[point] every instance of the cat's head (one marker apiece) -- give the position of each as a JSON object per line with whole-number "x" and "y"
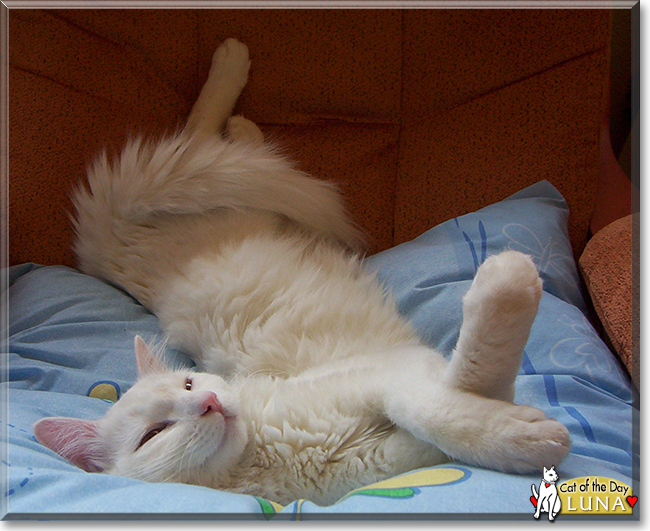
{"x": 172, "y": 425}
{"x": 550, "y": 475}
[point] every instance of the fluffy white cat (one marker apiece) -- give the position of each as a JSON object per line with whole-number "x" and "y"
{"x": 312, "y": 383}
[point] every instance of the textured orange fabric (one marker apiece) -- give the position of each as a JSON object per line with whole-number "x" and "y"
{"x": 613, "y": 280}
{"x": 483, "y": 151}
{"x": 419, "y": 115}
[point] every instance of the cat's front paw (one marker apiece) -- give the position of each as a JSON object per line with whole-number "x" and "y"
{"x": 532, "y": 441}
{"x": 231, "y": 62}
{"x": 506, "y": 283}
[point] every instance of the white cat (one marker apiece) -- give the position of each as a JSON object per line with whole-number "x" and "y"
{"x": 313, "y": 384}
{"x": 548, "y": 499}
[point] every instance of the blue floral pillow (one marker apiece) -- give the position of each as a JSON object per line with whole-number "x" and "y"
{"x": 70, "y": 353}
{"x": 446, "y": 257}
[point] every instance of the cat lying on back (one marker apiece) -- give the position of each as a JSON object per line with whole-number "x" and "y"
{"x": 312, "y": 384}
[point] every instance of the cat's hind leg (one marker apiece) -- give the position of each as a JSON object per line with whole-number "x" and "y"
{"x": 498, "y": 312}
{"x": 227, "y": 78}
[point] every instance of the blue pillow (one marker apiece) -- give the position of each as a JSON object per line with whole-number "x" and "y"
{"x": 533, "y": 221}
{"x": 71, "y": 353}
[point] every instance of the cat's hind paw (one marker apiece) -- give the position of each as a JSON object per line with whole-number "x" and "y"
{"x": 231, "y": 63}
{"x": 240, "y": 128}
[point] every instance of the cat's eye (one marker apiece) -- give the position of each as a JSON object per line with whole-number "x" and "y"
{"x": 151, "y": 434}
{"x": 188, "y": 384}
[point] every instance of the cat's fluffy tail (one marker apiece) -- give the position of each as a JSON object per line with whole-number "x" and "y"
{"x": 180, "y": 175}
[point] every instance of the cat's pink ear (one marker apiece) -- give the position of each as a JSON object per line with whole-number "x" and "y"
{"x": 147, "y": 361}
{"x": 75, "y": 439}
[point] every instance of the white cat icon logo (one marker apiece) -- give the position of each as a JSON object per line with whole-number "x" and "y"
{"x": 547, "y": 500}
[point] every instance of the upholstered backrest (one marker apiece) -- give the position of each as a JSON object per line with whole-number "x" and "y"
{"x": 420, "y": 115}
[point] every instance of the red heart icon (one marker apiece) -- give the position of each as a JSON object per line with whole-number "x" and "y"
{"x": 533, "y": 500}
{"x": 631, "y": 500}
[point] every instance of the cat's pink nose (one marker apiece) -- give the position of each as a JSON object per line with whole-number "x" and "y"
{"x": 210, "y": 404}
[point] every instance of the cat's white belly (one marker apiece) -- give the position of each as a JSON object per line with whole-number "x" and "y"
{"x": 277, "y": 305}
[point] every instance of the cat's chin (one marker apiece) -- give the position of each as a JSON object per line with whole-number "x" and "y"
{"x": 227, "y": 443}
{"x": 230, "y": 449}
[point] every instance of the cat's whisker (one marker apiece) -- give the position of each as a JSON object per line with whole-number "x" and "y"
{"x": 152, "y": 471}
{"x": 185, "y": 467}
{"x": 160, "y": 469}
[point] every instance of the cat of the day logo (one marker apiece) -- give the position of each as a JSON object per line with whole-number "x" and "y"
{"x": 548, "y": 498}
{"x": 584, "y": 495}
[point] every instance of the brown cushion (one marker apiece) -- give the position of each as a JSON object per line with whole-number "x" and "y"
{"x": 420, "y": 115}
{"x": 613, "y": 283}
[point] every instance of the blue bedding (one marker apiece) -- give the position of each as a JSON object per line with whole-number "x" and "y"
{"x": 70, "y": 354}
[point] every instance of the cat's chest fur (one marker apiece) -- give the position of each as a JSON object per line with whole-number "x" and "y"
{"x": 297, "y": 444}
